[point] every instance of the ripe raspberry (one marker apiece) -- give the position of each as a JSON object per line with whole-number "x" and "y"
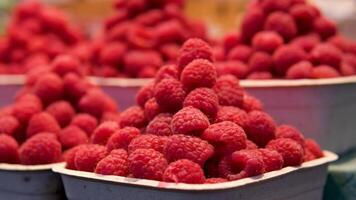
{"x": 199, "y": 73}
{"x": 251, "y": 103}
{"x": 189, "y": 121}
{"x": 347, "y": 70}
{"x": 42, "y": 122}
{"x": 29, "y": 98}
{"x": 87, "y": 157}
{"x": 147, "y": 72}
{"x": 271, "y": 5}
{"x": 325, "y": 28}
{"x": 147, "y": 141}
{"x": 241, "y": 53}
{"x": 260, "y": 128}
{"x": 170, "y": 31}
{"x": 203, "y": 99}
{"x": 8, "y": 149}
{"x": 147, "y": 164}
{"x": 304, "y": 16}
{"x": 267, "y": 41}
{"x": 135, "y": 61}
{"x": 9, "y": 125}
{"x": 219, "y": 53}
{"x": 260, "y": 76}
{"x": 233, "y": 114}
{"x": 188, "y": 147}
{"x": 282, "y": 23}
{"x": 151, "y": 109}
{"x": 111, "y": 116}
{"x": 133, "y": 116}
{"x": 64, "y": 64}
{"x": 290, "y": 150}
{"x": 313, "y": 147}
{"x": 85, "y": 122}
{"x": 215, "y": 180}
{"x": 194, "y": 49}
{"x": 141, "y": 37}
{"x": 248, "y": 162}
{"x": 24, "y": 110}
{"x": 169, "y": 94}
{"x": 286, "y": 131}
{"x": 160, "y": 125}
{"x": 285, "y": 56}
{"x": 40, "y": 149}
{"x": 252, "y": 23}
{"x": 300, "y": 70}
{"x": 112, "y": 54}
{"x": 326, "y": 54}
{"x": 72, "y": 136}
{"x": 170, "y": 52}
{"x": 324, "y": 71}
{"x": 306, "y": 42}
{"x": 167, "y": 71}
{"x": 250, "y": 145}
{"x": 228, "y": 89}
{"x": 226, "y": 137}
{"x": 233, "y": 67}
{"x": 62, "y": 111}
{"x": 272, "y": 160}
{"x": 184, "y": 171}
{"x": 49, "y": 88}
{"x": 122, "y": 138}
{"x": 150, "y": 18}
{"x": 103, "y": 132}
{"x": 114, "y": 164}
{"x": 69, "y": 155}
{"x": 231, "y": 40}
{"x": 144, "y": 94}
{"x": 74, "y": 87}
{"x": 260, "y": 61}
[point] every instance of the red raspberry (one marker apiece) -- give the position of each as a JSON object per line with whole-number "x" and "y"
{"x": 290, "y": 150}
{"x": 35, "y": 73}
{"x": 112, "y": 54}
{"x": 324, "y": 71}
{"x": 228, "y": 89}
{"x": 272, "y": 160}
{"x": 122, "y": 138}
{"x": 114, "y": 164}
{"x": 219, "y": 53}
{"x": 236, "y": 68}
{"x": 252, "y": 23}
{"x": 147, "y": 72}
{"x": 226, "y": 137}
{"x": 260, "y": 128}
{"x": 169, "y": 94}
{"x": 49, "y": 88}
{"x": 233, "y": 114}
{"x": 148, "y": 141}
{"x": 72, "y": 136}
{"x": 74, "y": 87}
{"x": 9, "y": 125}
{"x": 304, "y": 16}
{"x": 150, "y": 18}
{"x": 283, "y": 24}
{"x": 203, "y": 99}
{"x": 250, "y": 145}
{"x": 40, "y": 149}
{"x": 247, "y": 163}
{"x": 188, "y": 147}
{"x": 272, "y": 5}
{"x": 349, "y": 59}
{"x": 260, "y": 76}
{"x": 24, "y": 110}
{"x": 170, "y": 31}
{"x": 184, "y": 171}
{"x": 64, "y": 64}
{"x": 141, "y": 37}
{"x": 135, "y": 61}
{"x": 170, "y": 52}
{"x": 103, "y": 132}
{"x": 260, "y": 61}
{"x": 42, "y": 122}
{"x": 8, "y": 149}
{"x": 194, "y": 49}
{"x": 300, "y": 70}
{"x": 29, "y": 98}
{"x": 306, "y": 42}
{"x": 62, "y": 111}
{"x": 85, "y": 122}
{"x": 160, "y": 125}
{"x": 267, "y": 41}
{"x": 133, "y": 116}
{"x": 241, "y": 53}
{"x": 111, "y": 116}
{"x": 326, "y": 54}
{"x": 69, "y": 155}
{"x": 144, "y": 94}
{"x": 87, "y": 157}
{"x": 151, "y": 109}
{"x": 231, "y": 40}
{"x": 347, "y": 69}
{"x": 167, "y": 71}
{"x": 313, "y": 147}
{"x": 285, "y": 56}
{"x": 325, "y": 27}
{"x": 147, "y": 164}
{"x": 286, "y": 131}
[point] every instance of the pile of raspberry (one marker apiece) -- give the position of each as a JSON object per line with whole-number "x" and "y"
{"x": 140, "y": 36}
{"x": 189, "y": 126}
{"x": 286, "y": 39}
{"x": 57, "y": 110}
{"x": 34, "y": 36}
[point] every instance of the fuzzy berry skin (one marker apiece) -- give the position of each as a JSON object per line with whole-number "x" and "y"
{"x": 144, "y": 94}
{"x": 281, "y": 23}
{"x": 103, "y": 132}
{"x": 300, "y": 70}
{"x": 304, "y": 16}
{"x": 69, "y": 155}
{"x": 188, "y": 147}
{"x": 233, "y": 67}
{"x": 64, "y": 64}
{"x": 215, "y": 180}
{"x": 133, "y": 116}
{"x": 233, "y": 114}
{"x": 324, "y": 71}
{"x": 194, "y": 49}
{"x": 272, "y": 160}
{"x": 87, "y": 157}
{"x": 324, "y": 27}
{"x": 251, "y": 103}
{"x": 40, "y": 149}
{"x": 240, "y": 53}
{"x": 286, "y": 131}
{"x": 312, "y": 146}
{"x": 72, "y": 136}
{"x": 306, "y": 42}
{"x": 203, "y": 99}
{"x": 290, "y": 150}
{"x": 189, "y": 121}
{"x": 151, "y": 109}
{"x": 184, "y": 171}
{"x": 42, "y": 122}
{"x": 285, "y": 56}
{"x": 250, "y": 162}
{"x": 260, "y": 128}
{"x": 147, "y": 164}
{"x": 8, "y": 149}
{"x": 49, "y": 88}
{"x": 169, "y": 94}
{"x": 260, "y": 61}
{"x": 114, "y": 164}
{"x": 226, "y": 137}
{"x": 326, "y": 54}
{"x": 9, "y": 125}
{"x": 23, "y": 111}
{"x": 62, "y": 111}
{"x": 147, "y": 141}
{"x": 252, "y": 23}
{"x": 251, "y": 145}
{"x": 229, "y": 92}
{"x": 160, "y": 125}
{"x": 122, "y": 138}
{"x": 267, "y": 41}
{"x": 86, "y": 122}
{"x": 167, "y": 71}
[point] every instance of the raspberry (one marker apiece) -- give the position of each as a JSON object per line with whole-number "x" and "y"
{"x": 226, "y": 137}
{"x": 64, "y": 64}
{"x": 290, "y": 150}
{"x": 135, "y": 61}
{"x": 160, "y": 125}
{"x": 69, "y": 155}
{"x": 29, "y": 98}
{"x": 308, "y": 155}
{"x": 188, "y": 147}
{"x": 151, "y": 109}
{"x": 272, "y": 160}
{"x": 72, "y": 136}
{"x": 219, "y": 53}
{"x": 324, "y": 27}
{"x": 260, "y": 76}
{"x": 114, "y": 164}
{"x": 231, "y": 40}
{"x": 24, "y": 110}
{"x": 62, "y": 111}
{"x": 313, "y": 147}
{"x": 122, "y": 138}
{"x": 147, "y": 72}
{"x": 233, "y": 114}
{"x": 167, "y": 71}
{"x": 215, "y": 180}
{"x": 260, "y": 61}
{"x": 228, "y": 89}
{"x": 96, "y": 102}
{"x": 241, "y": 53}
{"x": 300, "y": 70}
{"x": 141, "y": 37}
{"x": 286, "y": 131}
{"x": 144, "y": 94}
{"x": 199, "y": 73}
{"x": 326, "y": 54}
{"x": 169, "y": 94}
{"x": 103, "y": 132}
{"x": 260, "y": 128}
{"x": 170, "y": 52}
{"x": 306, "y": 42}
{"x": 49, "y": 88}
{"x": 184, "y": 171}
{"x": 42, "y": 122}
{"x": 133, "y": 116}
{"x": 267, "y": 41}
{"x": 40, "y": 149}
{"x": 9, "y": 125}
{"x": 324, "y": 71}
{"x": 272, "y": 5}
{"x": 282, "y": 23}
{"x": 111, "y": 116}
{"x": 85, "y": 122}
{"x": 347, "y": 70}
{"x": 203, "y": 99}
{"x": 236, "y": 68}
{"x": 189, "y": 121}
{"x": 304, "y": 16}
{"x": 285, "y": 56}
{"x": 112, "y": 54}
{"x": 8, "y": 149}
{"x": 250, "y": 145}
{"x": 170, "y": 31}
{"x": 36, "y": 73}
{"x": 251, "y": 103}
{"x": 147, "y": 164}
{"x": 194, "y": 49}
{"x": 248, "y": 163}
{"x": 150, "y": 18}
{"x": 148, "y": 141}
{"x": 87, "y": 157}
{"x": 74, "y": 87}
{"x": 252, "y": 23}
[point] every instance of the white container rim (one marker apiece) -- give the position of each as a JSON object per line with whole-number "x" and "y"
{"x": 23, "y": 168}
{"x": 328, "y": 157}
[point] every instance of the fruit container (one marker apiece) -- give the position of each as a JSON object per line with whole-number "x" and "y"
{"x": 36, "y": 182}
{"x": 83, "y": 185}
{"x": 9, "y": 85}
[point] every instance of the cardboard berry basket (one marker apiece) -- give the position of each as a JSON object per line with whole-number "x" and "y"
{"x": 292, "y": 183}
{"x": 30, "y": 182}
